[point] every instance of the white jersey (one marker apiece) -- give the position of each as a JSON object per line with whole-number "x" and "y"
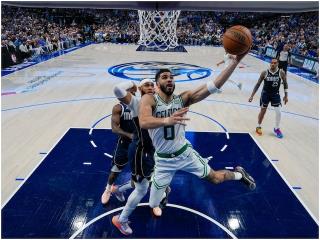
{"x": 134, "y": 106}
{"x": 168, "y": 139}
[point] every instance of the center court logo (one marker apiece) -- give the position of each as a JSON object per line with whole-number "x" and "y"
{"x": 137, "y": 71}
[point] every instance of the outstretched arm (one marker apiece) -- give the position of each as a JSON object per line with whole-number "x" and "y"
{"x": 146, "y": 120}
{"x": 203, "y": 91}
{"x": 256, "y": 87}
{"x": 285, "y": 86}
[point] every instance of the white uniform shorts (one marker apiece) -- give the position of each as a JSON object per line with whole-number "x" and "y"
{"x": 188, "y": 161}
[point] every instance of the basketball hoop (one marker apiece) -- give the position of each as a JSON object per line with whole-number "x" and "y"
{"x": 158, "y": 29}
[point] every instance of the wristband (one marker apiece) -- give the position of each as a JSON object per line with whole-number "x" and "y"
{"x": 212, "y": 87}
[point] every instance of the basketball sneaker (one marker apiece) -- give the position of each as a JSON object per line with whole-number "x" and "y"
{"x": 259, "y": 131}
{"x": 107, "y": 194}
{"x": 123, "y": 227}
{"x": 246, "y": 178}
{"x": 278, "y": 133}
{"x": 157, "y": 211}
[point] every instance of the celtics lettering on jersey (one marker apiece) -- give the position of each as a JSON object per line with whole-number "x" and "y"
{"x": 167, "y": 139}
{"x": 166, "y": 113}
{"x": 272, "y": 82}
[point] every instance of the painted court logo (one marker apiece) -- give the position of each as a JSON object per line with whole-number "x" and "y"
{"x": 137, "y": 71}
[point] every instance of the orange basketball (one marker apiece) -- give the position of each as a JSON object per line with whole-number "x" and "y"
{"x": 237, "y": 40}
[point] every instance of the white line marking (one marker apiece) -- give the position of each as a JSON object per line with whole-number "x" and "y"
{"x": 210, "y": 131}
{"x": 229, "y": 168}
{"x": 285, "y": 180}
{"x": 224, "y": 148}
{"x": 147, "y": 204}
{"x": 209, "y": 158}
{"x": 93, "y": 144}
{"x": 5, "y": 203}
{"x": 108, "y": 155}
{"x": 90, "y": 132}
{"x": 227, "y": 135}
{"x": 87, "y": 163}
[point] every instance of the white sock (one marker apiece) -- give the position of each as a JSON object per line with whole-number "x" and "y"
{"x": 278, "y": 116}
{"x": 237, "y": 175}
{"x": 108, "y": 187}
{"x": 259, "y": 125}
{"x": 124, "y": 187}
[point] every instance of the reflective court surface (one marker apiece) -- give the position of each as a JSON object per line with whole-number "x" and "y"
{"x": 63, "y": 194}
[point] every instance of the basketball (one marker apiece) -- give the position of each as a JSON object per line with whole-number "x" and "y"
{"x": 237, "y": 40}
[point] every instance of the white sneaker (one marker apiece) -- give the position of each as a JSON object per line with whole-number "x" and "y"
{"x": 157, "y": 211}
{"x": 106, "y": 196}
{"x": 123, "y": 227}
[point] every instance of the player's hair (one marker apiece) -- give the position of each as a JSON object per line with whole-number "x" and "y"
{"x": 161, "y": 71}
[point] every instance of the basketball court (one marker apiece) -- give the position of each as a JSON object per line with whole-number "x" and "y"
{"x": 57, "y": 147}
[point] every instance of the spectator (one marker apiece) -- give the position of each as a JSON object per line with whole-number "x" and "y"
{"x": 58, "y": 29}
{"x": 24, "y": 50}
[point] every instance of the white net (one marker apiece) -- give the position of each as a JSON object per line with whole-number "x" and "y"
{"x": 158, "y": 29}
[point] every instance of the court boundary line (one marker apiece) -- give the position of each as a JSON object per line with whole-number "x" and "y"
{"x": 29, "y": 175}
{"x": 225, "y": 229}
{"x": 285, "y": 180}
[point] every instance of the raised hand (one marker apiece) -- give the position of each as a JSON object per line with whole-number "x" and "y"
{"x": 177, "y": 117}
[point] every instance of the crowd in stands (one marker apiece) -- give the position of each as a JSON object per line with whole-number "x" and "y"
{"x": 299, "y": 31}
{"x": 27, "y": 32}
{"x": 30, "y": 32}
{"x": 117, "y": 26}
